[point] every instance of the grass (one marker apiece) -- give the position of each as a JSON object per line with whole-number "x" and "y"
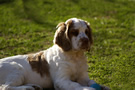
{"x": 28, "y": 26}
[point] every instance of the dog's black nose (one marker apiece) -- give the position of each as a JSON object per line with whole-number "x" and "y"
{"x": 84, "y": 43}
{"x": 85, "y": 40}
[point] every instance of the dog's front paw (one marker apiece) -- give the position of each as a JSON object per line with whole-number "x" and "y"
{"x": 88, "y": 88}
{"x": 105, "y": 88}
{"x": 85, "y": 88}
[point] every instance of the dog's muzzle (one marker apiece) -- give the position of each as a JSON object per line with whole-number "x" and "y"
{"x": 84, "y": 43}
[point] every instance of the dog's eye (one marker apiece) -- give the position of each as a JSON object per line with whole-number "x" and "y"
{"x": 86, "y": 32}
{"x": 75, "y": 32}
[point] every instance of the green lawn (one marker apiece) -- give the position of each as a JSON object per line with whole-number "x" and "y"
{"x": 29, "y": 25}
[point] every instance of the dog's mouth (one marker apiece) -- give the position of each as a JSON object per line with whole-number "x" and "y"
{"x": 85, "y": 46}
{"x": 84, "y": 43}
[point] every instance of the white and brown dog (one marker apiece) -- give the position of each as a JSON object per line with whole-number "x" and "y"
{"x": 63, "y": 65}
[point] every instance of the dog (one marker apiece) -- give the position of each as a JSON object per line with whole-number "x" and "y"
{"x": 62, "y": 66}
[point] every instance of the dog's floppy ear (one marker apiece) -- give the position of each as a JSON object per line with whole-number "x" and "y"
{"x": 89, "y": 32}
{"x": 61, "y": 37}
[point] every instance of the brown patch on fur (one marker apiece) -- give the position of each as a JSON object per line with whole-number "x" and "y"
{"x": 62, "y": 38}
{"x": 70, "y": 31}
{"x": 39, "y": 63}
{"x": 89, "y": 33}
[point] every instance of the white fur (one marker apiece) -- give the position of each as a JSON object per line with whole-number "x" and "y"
{"x": 16, "y": 71}
{"x": 68, "y": 67}
{"x": 68, "y": 70}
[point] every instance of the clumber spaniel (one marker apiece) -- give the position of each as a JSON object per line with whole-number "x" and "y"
{"x": 63, "y": 65}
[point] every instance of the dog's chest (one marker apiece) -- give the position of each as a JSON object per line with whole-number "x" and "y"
{"x": 78, "y": 66}
{"x": 76, "y": 72}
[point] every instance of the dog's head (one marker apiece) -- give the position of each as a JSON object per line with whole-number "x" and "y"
{"x": 73, "y": 34}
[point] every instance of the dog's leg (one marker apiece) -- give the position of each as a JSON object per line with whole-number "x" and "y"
{"x": 12, "y": 80}
{"x": 62, "y": 80}
{"x": 12, "y": 74}
{"x": 84, "y": 80}
{"x": 24, "y": 87}
{"x": 12, "y": 77}
{"x": 70, "y": 85}
{"x": 66, "y": 84}
{"x": 15, "y": 81}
